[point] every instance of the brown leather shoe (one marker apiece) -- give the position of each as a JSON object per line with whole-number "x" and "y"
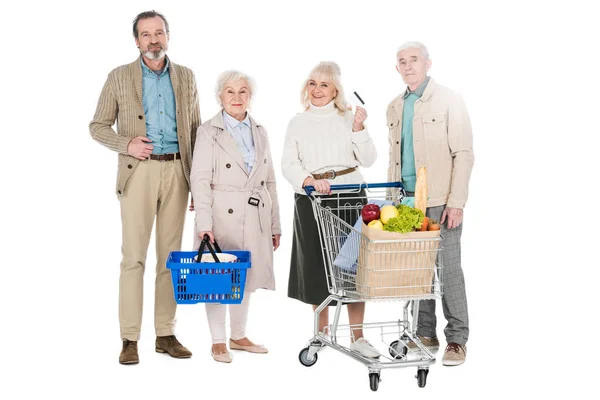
{"x": 129, "y": 353}
{"x": 170, "y": 345}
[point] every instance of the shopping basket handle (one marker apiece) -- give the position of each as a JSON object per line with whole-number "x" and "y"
{"x": 358, "y": 186}
{"x": 206, "y": 242}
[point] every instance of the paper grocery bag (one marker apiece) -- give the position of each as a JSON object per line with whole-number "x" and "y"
{"x": 397, "y": 265}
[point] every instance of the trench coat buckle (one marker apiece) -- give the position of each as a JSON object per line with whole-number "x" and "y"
{"x": 253, "y": 201}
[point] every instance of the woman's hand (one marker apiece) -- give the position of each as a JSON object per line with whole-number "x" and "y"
{"x": 211, "y": 237}
{"x": 276, "y": 239}
{"x": 320, "y": 185}
{"x": 360, "y": 116}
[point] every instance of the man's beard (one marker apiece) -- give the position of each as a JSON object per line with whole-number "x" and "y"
{"x": 156, "y": 54}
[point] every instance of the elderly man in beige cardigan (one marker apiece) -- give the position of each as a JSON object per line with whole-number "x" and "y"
{"x": 430, "y": 127}
{"x": 155, "y": 102}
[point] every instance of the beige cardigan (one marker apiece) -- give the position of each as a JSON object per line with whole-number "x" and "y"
{"x": 442, "y": 141}
{"x": 121, "y": 101}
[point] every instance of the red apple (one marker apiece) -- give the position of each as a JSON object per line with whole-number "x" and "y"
{"x": 370, "y": 212}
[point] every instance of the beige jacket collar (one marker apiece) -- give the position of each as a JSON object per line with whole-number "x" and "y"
{"x": 226, "y": 141}
{"x": 399, "y": 101}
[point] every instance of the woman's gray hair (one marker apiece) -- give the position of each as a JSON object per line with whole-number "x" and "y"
{"x": 326, "y": 70}
{"x": 414, "y": 45}
{"x": 233, "y": 75}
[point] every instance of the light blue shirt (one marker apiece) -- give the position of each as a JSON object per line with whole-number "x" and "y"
{"x": 409, "y": 174}
{"x": 158, "y": 99}
{"x": 242, "y": 134}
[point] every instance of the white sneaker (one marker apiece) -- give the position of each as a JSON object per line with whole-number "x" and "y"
{"x": 365, "y": 348}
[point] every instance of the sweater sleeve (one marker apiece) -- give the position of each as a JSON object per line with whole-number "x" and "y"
{"x": 105, "y": 117}
{"x": 291, "y": 165}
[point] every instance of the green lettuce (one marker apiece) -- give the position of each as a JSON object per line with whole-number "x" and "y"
{"x": 407, "y": 220}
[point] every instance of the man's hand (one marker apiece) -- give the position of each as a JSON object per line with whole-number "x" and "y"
{"x": 359, "y": 117}
{"x": 321, "y": 185}
{"x": 139, "y": 147}
{"x": 455, "y": 217}
{"x": 276, "y": 239}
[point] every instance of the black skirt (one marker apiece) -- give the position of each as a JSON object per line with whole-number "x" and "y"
{"x": 308, "y": 281}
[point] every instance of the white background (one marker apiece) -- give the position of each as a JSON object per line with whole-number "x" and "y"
{"x": 528, "y": 72}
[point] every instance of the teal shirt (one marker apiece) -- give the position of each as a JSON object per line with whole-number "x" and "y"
{"x": 158, "y": 99}
{"x": 409, "y": 173}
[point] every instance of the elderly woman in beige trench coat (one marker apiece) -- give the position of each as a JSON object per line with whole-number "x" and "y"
{"x": 233, "y": 187}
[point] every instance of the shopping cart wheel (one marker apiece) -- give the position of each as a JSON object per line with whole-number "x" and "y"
{"x": 422, "y": 377}
{"x": 397, "y": 350}
{"x": 374, "y": 381}
{"x": 303, "y": 357}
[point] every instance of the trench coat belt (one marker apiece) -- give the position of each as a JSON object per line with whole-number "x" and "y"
{"x": 253, "y": 192}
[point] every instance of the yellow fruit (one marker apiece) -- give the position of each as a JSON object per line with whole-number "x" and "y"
{"x": 376, "y": 224}
{"x": 388, "y": 212}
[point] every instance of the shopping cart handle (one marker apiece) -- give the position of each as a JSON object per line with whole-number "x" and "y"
{"x": 310, "y": 189}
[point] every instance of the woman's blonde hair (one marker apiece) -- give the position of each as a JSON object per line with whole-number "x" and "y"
{"x": 326, "y": 71}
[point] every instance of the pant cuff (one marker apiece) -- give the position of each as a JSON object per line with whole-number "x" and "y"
{"x": 164, "y": 332}
{"x": 461, "y": 341}
{"x": 426, "y": 332}
{"x": 133, "y": 337}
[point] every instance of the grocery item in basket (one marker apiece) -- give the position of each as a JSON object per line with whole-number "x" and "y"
{"x": 407, "y": 220}
{"x": 348, "y": 255}
{"x": 421, "y": 190}
{"x": 388, "y": 212}
{"x": 370, "y": 212}
{"x": 375, "y": 225}
{"x": 223, "y": 257}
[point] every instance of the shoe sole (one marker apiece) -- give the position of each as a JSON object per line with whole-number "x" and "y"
{"x": 364, "y": 355}
{"x": 452, "y": 363}
{"x": 129, "y": 362}
{"x": 373, "y": 357}
{"x": 416, "y": 349}
{"x": 166, "y": 352}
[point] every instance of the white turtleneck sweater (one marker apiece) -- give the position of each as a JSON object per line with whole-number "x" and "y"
{"x": 319, "y": 140}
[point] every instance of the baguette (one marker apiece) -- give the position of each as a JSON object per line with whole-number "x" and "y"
{"x": 421, "y": 190}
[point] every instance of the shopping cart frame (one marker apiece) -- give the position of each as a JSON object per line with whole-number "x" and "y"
{"x": 403, "y": 330}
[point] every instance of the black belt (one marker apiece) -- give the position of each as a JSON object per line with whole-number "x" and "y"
{"x": 165, "y": 157}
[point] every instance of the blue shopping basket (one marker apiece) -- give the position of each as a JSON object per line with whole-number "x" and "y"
{"x": 202, "y": 282}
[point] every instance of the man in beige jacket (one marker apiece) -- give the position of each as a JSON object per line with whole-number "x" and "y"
{"x": 429, "y": 127}
{"x": 155, "y": 102}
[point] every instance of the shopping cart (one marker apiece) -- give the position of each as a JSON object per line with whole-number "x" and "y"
{"x": 360, "y": 269}
{"x": 221, "y": 280}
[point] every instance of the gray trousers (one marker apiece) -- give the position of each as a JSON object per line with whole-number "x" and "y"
{"x": 454, "y": 300}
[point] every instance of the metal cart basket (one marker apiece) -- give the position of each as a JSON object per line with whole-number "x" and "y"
{"x": 360, "y": 268}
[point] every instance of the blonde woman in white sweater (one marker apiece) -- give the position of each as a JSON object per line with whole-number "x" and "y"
{"x": 326, "y": 137}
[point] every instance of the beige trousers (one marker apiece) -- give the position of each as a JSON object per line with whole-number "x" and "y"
{"x": 238, "y": 316}
{"x": 157, "y": 189}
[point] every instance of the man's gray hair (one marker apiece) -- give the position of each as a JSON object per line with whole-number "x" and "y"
{"x": 414, "y": 45}
{"x": 233, "y": 76}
